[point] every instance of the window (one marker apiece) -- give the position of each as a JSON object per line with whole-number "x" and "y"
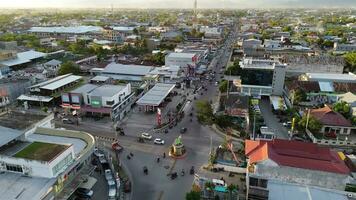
{"x": 59, "y": 166}
{"x": 110, "y": 103}
{"x": 14, "y": 168}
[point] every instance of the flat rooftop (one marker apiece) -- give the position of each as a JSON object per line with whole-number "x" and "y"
{"x": 181, "y": 55}
{"x": 19, "y": 187}
{"x": 335, "y": 77}
{"x": 156, "y": 95}
{"x": 19, "y": 120}
{"x": 41, "y": 151}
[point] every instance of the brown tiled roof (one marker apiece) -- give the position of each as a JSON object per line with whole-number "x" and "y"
{"x": 327, "y": 116}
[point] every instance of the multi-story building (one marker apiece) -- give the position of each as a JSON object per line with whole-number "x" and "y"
{"x": 261, "y": 77}
{"x": 39, "y": 162}
{"x": 112, "y": 100}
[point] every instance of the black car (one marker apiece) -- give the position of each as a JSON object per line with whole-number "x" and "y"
{"x": 83, "y": 192}
{"x": 183, "y": 130}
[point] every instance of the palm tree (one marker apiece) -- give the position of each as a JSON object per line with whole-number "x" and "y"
{"x": 231, "y": 188}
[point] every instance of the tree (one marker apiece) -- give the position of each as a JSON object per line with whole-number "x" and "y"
{"x": 350, "y": 61}
{"x": 204, "y": 112}
{"x": 313, "y": 124}
{"x": 231, "y": 188}
{"x": 192, "y": 195}
{"x": 343, "y": 108}
{"x": 234, "y": 69}
{"x": 69, "y": 67}
{"x": 223, "y": 121}
{"x": 223, "y": 86}
{"x": 298, "y": 96}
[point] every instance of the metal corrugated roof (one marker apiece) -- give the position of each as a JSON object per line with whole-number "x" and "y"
{"x": 120, "y": 69}
{"x": 60, "y": 83}
{"x": 66, "y": 29}
{"x": 107, "y": 90}
{"x": 23, "y": 57}
{"x": 156, "y": 95}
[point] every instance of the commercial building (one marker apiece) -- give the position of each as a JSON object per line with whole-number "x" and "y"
{"x": 343, "y": 48}
{"x": 261, "y": 77}
{"x": 43, "y": 93}
{"x": 111, "y": 100}
{"x": 65, "y": 31}
{"x": 11, "y": 59}
{"x": 293, "y": 163}
{"x": 130, "y": 73}
{"x": 38, "y": 162}
{"x": 182, "y": 59}
{"x": 155, "y": 96}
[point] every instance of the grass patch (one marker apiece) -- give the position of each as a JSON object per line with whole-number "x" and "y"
{"x": 41, "y": 151}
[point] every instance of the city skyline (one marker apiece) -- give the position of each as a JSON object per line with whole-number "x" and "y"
{"x": 177, "y": 4}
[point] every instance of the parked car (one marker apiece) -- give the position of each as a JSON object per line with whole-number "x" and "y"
{"x": 159, "y": 141}
{"x": 108, "y": 175}
{"x": 83, "y": 192}
{"x": 146, "y": 136}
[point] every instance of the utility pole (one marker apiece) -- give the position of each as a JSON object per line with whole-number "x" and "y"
{"x": 254, "y": 126}
{"x": 306, "y": 125}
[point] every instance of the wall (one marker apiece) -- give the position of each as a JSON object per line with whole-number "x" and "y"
{"x": 279, "y": 75}
{"x": 35, "y": 168}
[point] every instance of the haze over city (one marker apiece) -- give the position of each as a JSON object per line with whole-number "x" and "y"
{"x": 177, "y": 99}
{"x": 177, "y": 3}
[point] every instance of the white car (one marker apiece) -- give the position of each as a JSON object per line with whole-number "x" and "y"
{"x": 159, "y": 141}
{"x": 146, "y": 136}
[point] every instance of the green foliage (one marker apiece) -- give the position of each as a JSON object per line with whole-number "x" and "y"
{"x": 192, "y": 195}
{"x": 69, "y": 67}
{"x": 313, "y": 124}
{"x": 223, "y": 121}
{"x": 353, "y": 120}
{"x": 136, "y": 50}
{"x": 350, "y": 61}
{"x": 298, "y": 96}
{"x": 234, "y": 69}
{"x": 287, "y": 29}
{"x": 343, "y": 108}
{"x": 223, "y": 86}
{"x": 204, "y": 112}
{"x": 157, "y": 58}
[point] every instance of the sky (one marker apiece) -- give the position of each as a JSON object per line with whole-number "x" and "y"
{"x": 174, "y": 3}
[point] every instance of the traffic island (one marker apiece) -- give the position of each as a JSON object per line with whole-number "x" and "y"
{"x": 177, "y": 149}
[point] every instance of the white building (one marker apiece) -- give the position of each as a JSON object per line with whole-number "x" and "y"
{"x": 39, "y": 162}
{"x": 181, "y": 59}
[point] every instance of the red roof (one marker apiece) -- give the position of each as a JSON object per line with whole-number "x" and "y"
{"x": 296, "y": 154}
{"x": 327, "y": 116}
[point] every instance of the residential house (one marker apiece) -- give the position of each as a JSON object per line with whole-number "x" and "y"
{"x": 293, "y": 163}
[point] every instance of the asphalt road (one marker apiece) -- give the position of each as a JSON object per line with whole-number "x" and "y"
{"x": 198, "y": 141}
{"x": 271, "y": 120}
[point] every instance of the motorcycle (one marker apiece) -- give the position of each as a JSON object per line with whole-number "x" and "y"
{"x": 182, "y": 173}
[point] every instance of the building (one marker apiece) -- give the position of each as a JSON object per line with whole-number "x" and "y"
{"x": 211, "y": 32}
{"x": 299, "y": 64}
{"x": 155, "y": 96}
{"x": 104, "y": 100}
{"x": 181, "y": 59}
{"x": 13, "y": 60}
{"x": 11, "y": 45}
{"x": 170, "y": 74}
{"x": 38, "y": 162}
{"x": 293, "y": 163}
{"x": 65, "y": 31}
{"x": 45, "y": 93}
{"x": 237, "y": 107}
{"x": 332, "y": 122}
{"x": 260, "y": 77}
{"x": 52, "y": 67}
{"x": 11, "y": 88}
{"x": 343, "y": 48}
{"x": 116, "y": 34}
{"x": 130, "y": 73}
